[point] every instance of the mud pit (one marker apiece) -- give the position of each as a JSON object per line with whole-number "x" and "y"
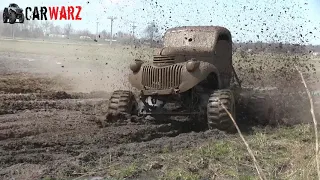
{"x": 46, "y": 132}
{"x": 57, "y": 133}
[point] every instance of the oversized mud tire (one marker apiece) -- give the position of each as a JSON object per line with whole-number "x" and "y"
{"x": 12, "y": 17}
{"x": 217, "y": 117}
{"x": 121, "y": 106}
{"x": 21, "y": 18}
{"x": 260, "y": 110}
{"x": 5, "y": 15}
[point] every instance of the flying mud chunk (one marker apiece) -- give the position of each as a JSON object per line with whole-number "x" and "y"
{"x": 191, "y": 77}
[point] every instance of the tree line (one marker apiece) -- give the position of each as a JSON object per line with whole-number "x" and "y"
{"x": 272, "y": 47}
{"x": 43, "y": 29}
{"x": 152, "y": 37}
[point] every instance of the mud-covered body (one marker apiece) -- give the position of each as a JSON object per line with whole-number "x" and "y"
{"x": 207, "y": 49}
{"x": 189, "y": 77}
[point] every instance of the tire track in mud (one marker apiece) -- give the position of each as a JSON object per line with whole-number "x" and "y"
{"x": 59, "y": 133}
{"x": 87, "y": 105}
{"x": 11, "y": 103}
{"x": 54, "y": 129}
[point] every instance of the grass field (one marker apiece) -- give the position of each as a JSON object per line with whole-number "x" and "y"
{"x": 63, "y": 142}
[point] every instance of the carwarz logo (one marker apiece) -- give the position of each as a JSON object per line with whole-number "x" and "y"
{"x": 14, "y": 12}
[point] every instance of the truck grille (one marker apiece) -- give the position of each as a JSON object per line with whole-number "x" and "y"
{"x": 163, "y": 60}
{"x": 161, "y": 77}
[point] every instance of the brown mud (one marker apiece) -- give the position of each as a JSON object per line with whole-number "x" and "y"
{"x": 46, "y": 131}
{"x": 53, "y": 133}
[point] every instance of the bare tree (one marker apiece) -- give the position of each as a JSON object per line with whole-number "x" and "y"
{"x": 104, "y": 34}
{"x": 83, "y": 33}
{"x": 67, "y": 29}
{"x": 120, "y": 34}
{"x": 151, "y": 31}
{"x": 55, "y": 29}
{"x": 124, "y": 38}
{"x": 46, "y": 27}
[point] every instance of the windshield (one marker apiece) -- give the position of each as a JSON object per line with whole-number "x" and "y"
{"x": 13, "y": 5}
{"x": 159, "y": 89}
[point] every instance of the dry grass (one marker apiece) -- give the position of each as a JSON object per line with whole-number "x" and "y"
{"x": 282, "y": 153}
{"x": 314, "y": 121}
{"x": 255, "y": 162}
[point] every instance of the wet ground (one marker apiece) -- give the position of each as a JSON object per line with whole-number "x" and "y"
{"x": 47, "y": 129}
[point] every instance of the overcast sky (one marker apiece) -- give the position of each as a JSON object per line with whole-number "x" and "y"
{"x": 295, "y": 21}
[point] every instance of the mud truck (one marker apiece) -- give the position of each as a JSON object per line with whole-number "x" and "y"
{"x": 12, "y": 13}
{"x": 191, "y": 76}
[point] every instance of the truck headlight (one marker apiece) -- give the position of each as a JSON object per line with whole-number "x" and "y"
{"x": 135, "y": 66}
{"x": 192, "y": 65}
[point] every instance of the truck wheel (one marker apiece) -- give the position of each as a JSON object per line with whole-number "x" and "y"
{"x": 21, "y": 18}
{"x": 12, "y": 17}
{"x": 217, "y": 117}
{"x": 121, "y": 105}
{"x": 5, "y": 15}
{"x": 260, "y": 109}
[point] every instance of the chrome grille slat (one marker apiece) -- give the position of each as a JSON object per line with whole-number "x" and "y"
{"x": 163, "y": 60}
{"x": 153, "y": 79}
{"x": 174, "y": 75}
{"x": 168, "y": 79}
{"x": 176, "y": 78}
{"x": 161, "y": 77}
{"x": 150, "y": 75}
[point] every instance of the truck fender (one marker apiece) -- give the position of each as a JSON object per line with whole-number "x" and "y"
{"x": 191, "y": 79}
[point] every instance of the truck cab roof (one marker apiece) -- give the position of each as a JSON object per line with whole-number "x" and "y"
{"x": 13, "y": 5}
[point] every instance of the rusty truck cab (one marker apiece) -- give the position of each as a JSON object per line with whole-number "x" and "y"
{"x": 206, "y": 49}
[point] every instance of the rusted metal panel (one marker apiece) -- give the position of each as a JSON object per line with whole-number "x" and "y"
{"x": 209, "y": 45}
{"x": 194, "y": 36}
